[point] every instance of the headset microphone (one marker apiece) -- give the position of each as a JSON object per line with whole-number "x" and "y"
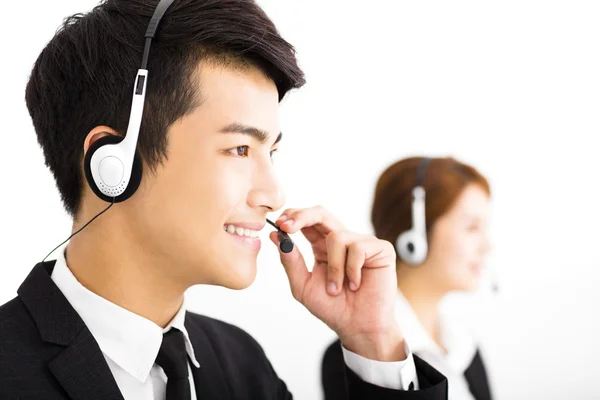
{"x": 286, "y": 245}
{"x": 494, "y": 284}
{"x": 495, "y": 287}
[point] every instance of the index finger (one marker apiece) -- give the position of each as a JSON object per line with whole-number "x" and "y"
{"x": 316, "y": 217}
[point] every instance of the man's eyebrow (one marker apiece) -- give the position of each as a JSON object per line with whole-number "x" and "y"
{"x": 252, "y": 131}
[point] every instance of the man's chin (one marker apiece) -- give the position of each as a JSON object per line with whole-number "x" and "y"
{"x": 238, "y": 277}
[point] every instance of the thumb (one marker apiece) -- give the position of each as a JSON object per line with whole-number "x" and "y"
{"x": 295, "y": 268}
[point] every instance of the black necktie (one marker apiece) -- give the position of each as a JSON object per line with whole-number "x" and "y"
{"x": 172, "y": 357}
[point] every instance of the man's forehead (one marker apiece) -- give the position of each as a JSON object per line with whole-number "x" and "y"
{"x": 211, "y": 75}
{"x": 239, "y": 101}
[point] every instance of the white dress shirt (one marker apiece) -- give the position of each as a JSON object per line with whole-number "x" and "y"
{"x": 457, "y": 339}
{"x": 130, "y": 344}
{"x": 392, "y": 375}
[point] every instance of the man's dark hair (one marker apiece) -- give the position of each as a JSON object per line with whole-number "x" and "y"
{"x": 84, "y": 76}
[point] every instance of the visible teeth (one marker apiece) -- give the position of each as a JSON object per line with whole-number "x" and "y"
{"x": 241, "y": 231}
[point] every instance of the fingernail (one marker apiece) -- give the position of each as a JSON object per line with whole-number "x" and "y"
{"x": 282, "y": 218}
{"x": 331, "y": 287}
{"x": 352, "y": 286}
{"x": 289, "y": 222}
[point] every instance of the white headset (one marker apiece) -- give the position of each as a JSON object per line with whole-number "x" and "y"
{"x": 113, "y": 166}
{"x": 411, "y": 245}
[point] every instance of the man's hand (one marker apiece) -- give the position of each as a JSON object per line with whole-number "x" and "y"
{"x": 352, "y": 287}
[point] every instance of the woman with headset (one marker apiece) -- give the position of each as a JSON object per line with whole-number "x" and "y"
{"x": 435, "y": 212}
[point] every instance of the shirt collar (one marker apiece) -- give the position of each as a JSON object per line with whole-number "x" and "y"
{"x": 128, "y": 339}
{"x": 456, "y": 338}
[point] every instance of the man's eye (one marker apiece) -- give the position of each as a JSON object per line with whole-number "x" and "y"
{"x": 240, "y": 151}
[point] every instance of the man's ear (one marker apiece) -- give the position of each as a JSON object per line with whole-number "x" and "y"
{"x": 98, "y": 133}
{"x": 127, "y": 186}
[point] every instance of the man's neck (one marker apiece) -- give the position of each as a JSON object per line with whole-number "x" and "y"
{"x": 120, "y": 269}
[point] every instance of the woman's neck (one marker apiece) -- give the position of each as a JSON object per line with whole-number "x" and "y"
{"x": 425, "y": 302}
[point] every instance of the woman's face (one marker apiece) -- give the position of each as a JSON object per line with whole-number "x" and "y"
{"x": 459, "y": 242}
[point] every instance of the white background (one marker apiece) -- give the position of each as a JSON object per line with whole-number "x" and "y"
{"x": 512, "y": 87}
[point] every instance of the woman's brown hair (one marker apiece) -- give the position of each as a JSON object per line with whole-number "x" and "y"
{"x": 443, "y": 180}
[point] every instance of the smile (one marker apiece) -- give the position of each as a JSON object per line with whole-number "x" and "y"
{"x": 238, "y": 230}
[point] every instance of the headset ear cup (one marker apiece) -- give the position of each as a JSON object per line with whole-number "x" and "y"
{"x": 411, "y": 247}
{"x": 420, "y": 249}
{"x": 136, "y": 171}
{"x": 402, "y": 247}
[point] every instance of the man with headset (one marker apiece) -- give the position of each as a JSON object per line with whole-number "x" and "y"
{"x": 178, "y": 147}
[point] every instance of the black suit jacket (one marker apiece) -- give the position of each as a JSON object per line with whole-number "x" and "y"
{"x": 334, "y": 386}
{"x": 48, "y": 353}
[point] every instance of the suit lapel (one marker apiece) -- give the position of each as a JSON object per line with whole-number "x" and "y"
{"x": 209, "y": 379}
{"x": 80, "y": 368}
{"x": 477, "y": 380}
